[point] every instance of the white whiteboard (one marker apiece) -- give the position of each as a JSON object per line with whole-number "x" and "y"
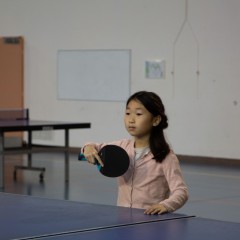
{"x": 95, "y": 75}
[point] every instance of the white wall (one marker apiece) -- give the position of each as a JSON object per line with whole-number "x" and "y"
{"x": 204, "y": 110}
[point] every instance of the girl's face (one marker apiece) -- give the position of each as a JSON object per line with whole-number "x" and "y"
{"x": 138, "y": 120}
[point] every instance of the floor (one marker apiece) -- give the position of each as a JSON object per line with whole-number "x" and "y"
{"x": 214, "y": 190}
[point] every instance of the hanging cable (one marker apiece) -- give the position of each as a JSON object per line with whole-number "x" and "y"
{"x": 186, "y": 22}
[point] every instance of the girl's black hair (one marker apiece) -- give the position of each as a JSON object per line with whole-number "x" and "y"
{"x": 153, "y": 103}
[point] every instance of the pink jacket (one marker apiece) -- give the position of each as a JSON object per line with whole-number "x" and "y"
{"x": 147, "y": 182}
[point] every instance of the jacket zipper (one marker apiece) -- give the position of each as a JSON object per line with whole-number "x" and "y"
{"x": 134, "y": 163}
{"x": 131, "y": 193}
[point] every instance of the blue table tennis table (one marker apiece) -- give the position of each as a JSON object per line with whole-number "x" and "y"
{"x": 176, "y": 229}
{"x": 28, "y": 217}
{"x": 27, "y": 125}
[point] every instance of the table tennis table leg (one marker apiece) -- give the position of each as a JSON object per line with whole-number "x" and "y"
{"x": 29, "y": 165}
{"x": 1, "y": 160}
{"x": 66, "y": 155}
{"x": 42, "y": 170}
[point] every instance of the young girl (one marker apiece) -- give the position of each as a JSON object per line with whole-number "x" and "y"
{"x": 154, "y": 180}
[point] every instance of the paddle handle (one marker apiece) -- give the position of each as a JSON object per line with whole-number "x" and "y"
{"x": 81, "y": 157}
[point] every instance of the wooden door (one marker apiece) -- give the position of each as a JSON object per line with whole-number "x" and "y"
{"x": 11, "y": 75}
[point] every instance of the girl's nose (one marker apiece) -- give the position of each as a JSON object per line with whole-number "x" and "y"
{"x": 131, "y": 120}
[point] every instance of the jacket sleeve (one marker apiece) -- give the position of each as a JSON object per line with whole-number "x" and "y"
{"x": 98, "y": 146}
{"x": 178, "y": 189}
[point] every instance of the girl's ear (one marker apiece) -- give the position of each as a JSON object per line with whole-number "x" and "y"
{"x": 156, "y": 120}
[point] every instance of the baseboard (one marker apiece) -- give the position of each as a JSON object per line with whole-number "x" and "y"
{"x": 74, "y": 150}
{"x": 194, "y": 159}
{"x": 209, "y": 160}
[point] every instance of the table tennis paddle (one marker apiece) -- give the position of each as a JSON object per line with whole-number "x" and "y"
{"x": 114, "y": 158}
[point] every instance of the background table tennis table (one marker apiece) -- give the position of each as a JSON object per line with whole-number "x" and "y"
{"x": 32, "y": 125}
{"x": 27, "y": 217}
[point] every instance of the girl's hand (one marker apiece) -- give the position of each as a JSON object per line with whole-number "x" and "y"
{"x": 156, "y": 209}
{"x": 91, "y": 154}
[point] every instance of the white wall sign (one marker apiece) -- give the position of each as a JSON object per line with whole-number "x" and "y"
{"x": 155, "y": 69}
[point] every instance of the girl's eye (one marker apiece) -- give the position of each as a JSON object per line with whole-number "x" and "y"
{"x": 139, "y": 114}
{"x": 127, "y": 113}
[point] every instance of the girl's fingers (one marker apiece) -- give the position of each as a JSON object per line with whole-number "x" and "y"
{"x": 92, "y": 158}
{"x": 156, "y": 209}
{"x": 99, "y": 160}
